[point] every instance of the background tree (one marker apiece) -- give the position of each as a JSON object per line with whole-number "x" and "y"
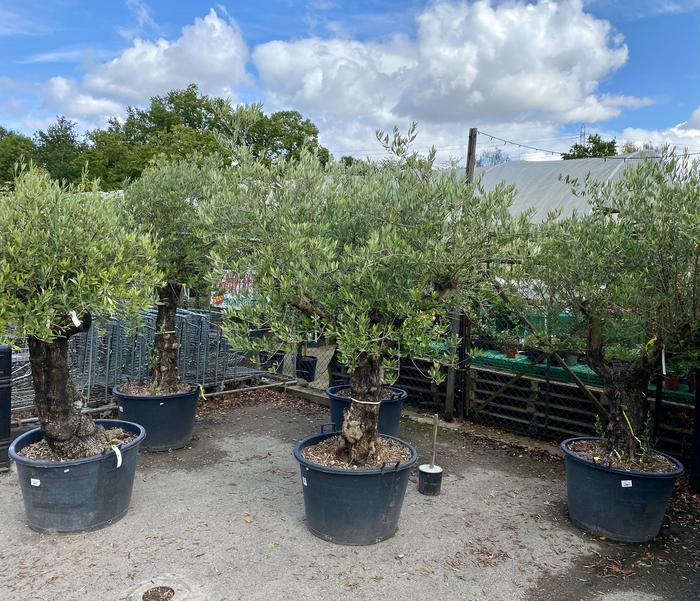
{"x": 372, "y": 258}
{"x": 595, "y": 147}
{"x": 489, "y": 158}
{"x": 59, "y": 149}
{"x": 14, "y": 148}
{"x": 66, "y": 256}
{"x": 628, "y": 274}
{"x": 165, "y": 201}
{"x": 283, "y": 135}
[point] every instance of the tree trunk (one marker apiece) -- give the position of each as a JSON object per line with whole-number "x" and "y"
{"x": 360, "y": 434}
{"x": 164, "y": 373}
{"x": 626, "y": 394}
{"x": 70, "y": 433}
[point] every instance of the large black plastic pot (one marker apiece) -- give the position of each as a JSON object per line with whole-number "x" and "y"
{"x": 274, "y": 361}
{"x": 168, "y": 418}
{"x": 389, "y": 410}
{"x": 623, "y": 506}
{"x": 306, "y": 368}
{"x": 77, "y": 495}
{"x": 352, "y": 506}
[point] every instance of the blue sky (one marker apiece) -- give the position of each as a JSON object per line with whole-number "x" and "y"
{"x": 529, "y": 71}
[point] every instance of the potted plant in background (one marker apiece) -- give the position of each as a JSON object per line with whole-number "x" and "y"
{"x": 374, "y": 260}
{"x": 629, "y": 274}
{"x": 67, "y": 255}
{"x": 165, "y": 200}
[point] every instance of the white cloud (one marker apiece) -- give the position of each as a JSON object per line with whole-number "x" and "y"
{"x": 471, "y": 63}
{"x": 210, "y": 52}
{"x": 15, "y": 24}
{"x": 683, "y": 136}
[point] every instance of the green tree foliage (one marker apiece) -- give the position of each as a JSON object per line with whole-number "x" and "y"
{"x": 59, "y": 151}
{"x": 628, "y": 274}
{"x": 595, "y": 147}
{"x": 165, "y": 201}
{"x": 185, "y": 122}
{"x": 66, "y": 255}
{"x": 283, "y": 135}
{"x": 14, "y": 148}
{"x": 371, "y": 257}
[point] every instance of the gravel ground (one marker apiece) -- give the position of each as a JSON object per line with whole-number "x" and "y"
{"x": 224, "y": 520}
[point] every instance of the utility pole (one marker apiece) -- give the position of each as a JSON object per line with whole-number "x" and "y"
{"x": 456, "y": 319}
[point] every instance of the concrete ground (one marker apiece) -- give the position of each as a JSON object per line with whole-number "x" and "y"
{"x": 224, "y": 520}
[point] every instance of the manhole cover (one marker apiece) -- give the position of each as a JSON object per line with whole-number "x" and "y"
{"x": 158, "y": 593}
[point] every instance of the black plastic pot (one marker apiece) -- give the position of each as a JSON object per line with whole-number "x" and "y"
{"x": 352, "y": 506}
{"x": 623, "y": 506}
{"x": 80, "y": 494}
{"x": 306, "y": 368}
{"x": 389, "y": 410}
{"x": 168, "y": 418}
{"x": 275, "y": 360}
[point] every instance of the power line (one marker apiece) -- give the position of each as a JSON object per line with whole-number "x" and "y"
{"x": 558, "y": 152}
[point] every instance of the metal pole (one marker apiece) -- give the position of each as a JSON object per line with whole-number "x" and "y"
{"x": 5, "y": 403}
{"x": 435, "y": 428}
{"x": 695, "y": 452}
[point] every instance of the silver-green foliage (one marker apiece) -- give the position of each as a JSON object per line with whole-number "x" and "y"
{"x": 165, "y": 201}
{"x": 371, "y": 256}
{"x": 633, "y": 261}
{"x": 66, "y": 250}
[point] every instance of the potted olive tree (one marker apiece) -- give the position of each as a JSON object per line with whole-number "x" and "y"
{"x": 372, "y": 258}
{"x": 628, "y": 273}
{"x": 66, "y": 256}
{"x": 165, "y": 201}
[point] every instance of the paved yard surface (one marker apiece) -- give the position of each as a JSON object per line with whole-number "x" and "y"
{"x": 224, "y": 520}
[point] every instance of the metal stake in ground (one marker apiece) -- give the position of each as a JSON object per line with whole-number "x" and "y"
{"x": 429, "y": 474}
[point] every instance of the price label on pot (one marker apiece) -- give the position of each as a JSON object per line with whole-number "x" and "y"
{"x": 303, "y": 481}
{"x": 626, "y": 483}
{"x": 35, "y": 481}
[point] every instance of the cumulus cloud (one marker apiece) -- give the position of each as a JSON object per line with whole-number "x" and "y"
{"x": 210, "y": 52}
{"x": 683, "y": 136}
{"x": 469, "y": 61}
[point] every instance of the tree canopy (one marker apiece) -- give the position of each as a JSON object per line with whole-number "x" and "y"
{"x": 594, "y": 147}
{"x": 66, "y": 252}
{"x": 628, "y": 275}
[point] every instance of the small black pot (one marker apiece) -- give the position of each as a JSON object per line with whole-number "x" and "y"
{"x": 306, "y": 368}
{"x": 168, "y": 418}
{"x": 352, "y": 506}
{"x": 77, "y": 495}
{"x": 268, "y": 361}
{"x": 389, "y": 410}
{"x": 624, "y": 506}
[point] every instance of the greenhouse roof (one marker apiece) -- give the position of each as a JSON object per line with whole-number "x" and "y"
{"x": 541, "y": 185}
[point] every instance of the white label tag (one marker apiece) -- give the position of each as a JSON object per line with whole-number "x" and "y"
{"x": 626, "y": 483}
{"x": 121, "y": 409}
{"x": 35, "y": 481}
{"x": 118, "y": 453}
{"x": 303, "y": 480}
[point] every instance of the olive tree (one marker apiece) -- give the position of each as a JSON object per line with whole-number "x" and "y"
{"x": 372, "y": 256}
{"x": 165, "y": 200}
{"x": 66, "y": 255}
{"x": 628, "y": 274}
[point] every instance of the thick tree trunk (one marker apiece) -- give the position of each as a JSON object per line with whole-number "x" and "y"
{"x": 164, "y": 373}
{"x": 70, "y": 433}
{"x": 360, "y": 432}
{"x": 626, "y": 394}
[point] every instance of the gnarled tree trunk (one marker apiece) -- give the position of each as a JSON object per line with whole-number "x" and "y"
{"x": 360, "y": 434}
{"x": 164, "y": 373}
{"x": 628, "y": 410}
{"x": 69, "y": 432}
